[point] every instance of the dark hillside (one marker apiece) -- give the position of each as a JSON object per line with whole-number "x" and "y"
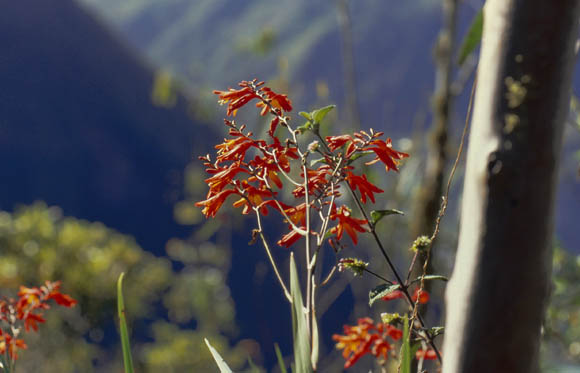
{"x": 77, "y": 126}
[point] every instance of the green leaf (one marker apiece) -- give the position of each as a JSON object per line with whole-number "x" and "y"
{"x": 380, "y": 291}
{"x": 406, "y": 348}
{"x": 281, "y": 364}
{"x": 315, "y": 342}
{"x": 125, "y": 344}
{"x": 472, "y": 38}
{"x": 299, "y": 324}
{"x": 358, "y": 155}
{"x": 306, "y": 115}
{"x": 377, "y": 215}
{"x": 430, "y": 277}
{"x": 319, "y": 114}
{"x": 305, "y": 127}
{"x": 224, "y": 368}
{"x": 313, "y": 162}
{"x": 435, "y": 331}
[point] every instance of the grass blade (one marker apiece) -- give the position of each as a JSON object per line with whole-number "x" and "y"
{"x": 127, "y": 359}
{"x": 280, "y": 359}
{"x": 299, "y": 324}
{"x": 221, "y": 363}
{"x": 472, "y": 38}
{"x": 406, "y": 349}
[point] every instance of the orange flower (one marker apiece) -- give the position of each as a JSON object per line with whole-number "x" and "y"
{"x": 235, "y": 149}
{"x": 222, "y": 177}
{"x": 278, "y": 101}
{"x": 335, "y": 142}
{"x": 423, "y": 298}
{"x": 426, "y": 354}
{"x": 12, "y": 344}
{"x": 253, "y": 197}
{"x": 385, "y": 153}
{"x": 365, "y": 338}
{"x": 236, "y": 98}
{"x": 213, "y": 203}
{"x": 290, "y": 238}
{"x": 316, "y": 181}
{"x": 347, "y": 223}
{"x": 363, "y": 185}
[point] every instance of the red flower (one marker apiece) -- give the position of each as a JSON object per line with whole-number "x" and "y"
{"x": 290, "y": 238}
{"x": 316, "y": 181}
{"x": 213, "y": 203}
{"x": 385, "y": 153}
{"x": 253, "y": 197}
{"x": 393, "y": 295}
{"x": 335, "y": 142}
{"x": 31, "y": 320}
{"x": 363, "y": 185}
{"x": 236, "y": 98}
{"x": 236, "y": 148}
{"x": 347, "y": 223}
{"x": 278, "y": 101}
{"x": 426, "y": 354}
{"x": 297, "y": 214}
{"x": 365, "y": 338}
{"x": 12, "y": 344}
{"x": 423, "y": 298}
{"x": 222, "y": 177}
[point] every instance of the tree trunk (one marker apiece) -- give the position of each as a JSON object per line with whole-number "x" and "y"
{"x": 500, "y": 285}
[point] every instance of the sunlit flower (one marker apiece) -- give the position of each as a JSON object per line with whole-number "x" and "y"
{"x": 253, "y": 197}
{"x": 363, "y": 185}
{"x": 385, "y": 153}
{"x": 212, "y": 205}
{"x": 236, "y": 98}
{"x": 7, "y": 342}
{"x": 278, "y": 101}
{"x": 347, "y": 223}
{"x": 366, "y": 338}
{"x": 290, "y": 238}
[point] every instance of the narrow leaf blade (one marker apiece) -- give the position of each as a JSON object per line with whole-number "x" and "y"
{"x": 125, "y": 344}
{"x": 377, "y": 215}
{"x": 315, "y": 343}
{"x": 319, "y": 114}
{"x": 221, "y": 363}
{"x": 472, "y": 38}
{"x": 281, "y": 364}
{"x": 430, "y": 278}
{"x": 406, "y": 348}
{"x": 299, "y": 324}
{"x": 380, "y": 291}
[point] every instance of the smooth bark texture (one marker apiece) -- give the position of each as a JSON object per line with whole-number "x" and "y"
{"x": 498, "y": 292}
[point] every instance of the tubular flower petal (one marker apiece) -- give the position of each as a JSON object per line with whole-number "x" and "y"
{"x": 385, "y": 153}
{"x": 363, "y": 185}
{"x": 290, "y": 238}
{"x": 212, "y": 205}
{"x": 347, "y": 223}
{"x": 365, "y": 338}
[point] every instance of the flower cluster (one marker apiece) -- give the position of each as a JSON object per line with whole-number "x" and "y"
{"x": 253, "y": 170}
{"x": 366, "y": 338}
{"x": 27, "y": 312}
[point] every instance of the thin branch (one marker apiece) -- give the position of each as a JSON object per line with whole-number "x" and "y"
{"x": 267, "y": 247}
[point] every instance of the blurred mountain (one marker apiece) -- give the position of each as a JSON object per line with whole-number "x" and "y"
{"x": 78, "y": 127}
{"x": 213, "y": 44}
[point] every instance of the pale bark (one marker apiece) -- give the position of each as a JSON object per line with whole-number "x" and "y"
{"x": 497, "y": 295}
